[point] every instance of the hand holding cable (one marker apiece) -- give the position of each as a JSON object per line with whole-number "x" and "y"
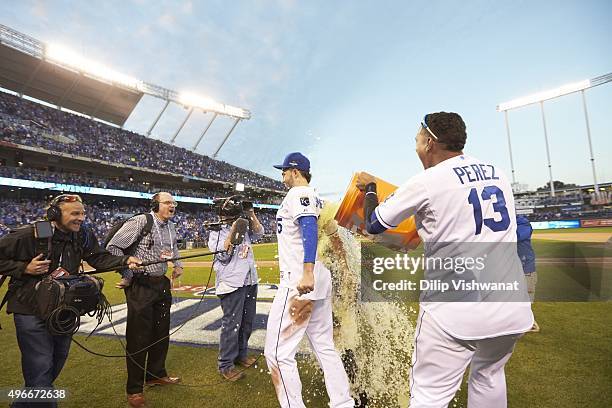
{"x": 134, "y": 263}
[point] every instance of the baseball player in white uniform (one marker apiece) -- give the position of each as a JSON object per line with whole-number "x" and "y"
{"x": 456, "y": 199}
{"x": 302, "y": 304}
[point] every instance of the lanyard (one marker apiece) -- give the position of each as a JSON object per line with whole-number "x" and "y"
{"x": 161, "y": 239}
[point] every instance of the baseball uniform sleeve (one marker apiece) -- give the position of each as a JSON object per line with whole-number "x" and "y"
{"x": 406, "y": 201}
{"x": 302, "y": 203}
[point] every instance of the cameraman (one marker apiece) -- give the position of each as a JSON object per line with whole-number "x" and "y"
{"x": 236, "y": 285}
{"x": 27, "y": 260}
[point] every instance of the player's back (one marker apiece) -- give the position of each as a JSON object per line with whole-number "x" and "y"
{"x": 465, "y": 213}
{"x": 474, "y": 218}
{"x": 469, "y": 201}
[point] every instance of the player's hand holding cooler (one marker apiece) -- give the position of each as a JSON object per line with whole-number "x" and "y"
{"x": 363, "y": 179}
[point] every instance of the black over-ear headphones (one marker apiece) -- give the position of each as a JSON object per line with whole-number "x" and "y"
{"x": 54, "y": 212}
{"x": 155, "y": 202}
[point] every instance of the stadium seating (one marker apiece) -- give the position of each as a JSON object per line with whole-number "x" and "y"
{"x": 32, "y": 124}
{"x": 81, "y": 179}
{"x": 101, "y": 216}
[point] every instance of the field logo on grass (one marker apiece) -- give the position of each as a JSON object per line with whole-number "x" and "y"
{"x": 201, "y": 317}
{"x": 265, "y": 291}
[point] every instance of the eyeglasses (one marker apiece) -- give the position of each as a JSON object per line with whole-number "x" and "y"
{"x": 67, "y": 198}
{"x": 174, "y": 203}
{"x": 424, "y": 125}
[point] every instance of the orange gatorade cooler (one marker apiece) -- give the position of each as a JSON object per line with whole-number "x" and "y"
{"x": 350, "y": 216}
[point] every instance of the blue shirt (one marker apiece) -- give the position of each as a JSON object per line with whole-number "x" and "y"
{"x": 524, "y": 248}
{"x": 238, "y": 269}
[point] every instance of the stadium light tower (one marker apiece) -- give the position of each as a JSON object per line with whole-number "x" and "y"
{"x": 209, "y": 105}
{"x": 540, "y": 98}
{"x": 210, "y": 122}
{"x": 226, "y": 137}
{"x": 69, "y": 70}
{"x": 64, "y": 56}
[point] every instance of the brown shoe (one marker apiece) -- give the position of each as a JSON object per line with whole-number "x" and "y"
{"x": 136, "y": 400}
{"x": 247, "y": 361}
{"x": 231, "y": 374}
{"x": 163, "y": 381}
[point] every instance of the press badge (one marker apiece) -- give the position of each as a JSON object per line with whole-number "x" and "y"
{"x": 59, "y": 272}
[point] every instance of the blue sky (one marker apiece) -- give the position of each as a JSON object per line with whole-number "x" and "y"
{"x": 348, "y": 82}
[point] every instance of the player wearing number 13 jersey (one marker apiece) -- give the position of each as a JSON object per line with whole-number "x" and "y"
{"x": 458, "y": 202}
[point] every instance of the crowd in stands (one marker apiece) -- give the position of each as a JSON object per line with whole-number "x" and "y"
{"x": 80, "y": 179}
{"x": 570, "y": 215}
{"x": 32, "y": 124}
{"x": 101, "y": 217}
{"x": 585, "y": 196}
{"x": 575, "y": 198}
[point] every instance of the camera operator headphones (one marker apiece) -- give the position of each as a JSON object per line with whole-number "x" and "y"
{"x": 54, "y": 212}
{"x": 155, "y": 202}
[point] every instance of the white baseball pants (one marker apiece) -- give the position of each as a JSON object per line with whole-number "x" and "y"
{"x": 290, "y": 318}
{"x": 439, "y": 361}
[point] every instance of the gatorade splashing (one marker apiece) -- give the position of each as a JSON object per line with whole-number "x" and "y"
{"x": 374, "y": 338}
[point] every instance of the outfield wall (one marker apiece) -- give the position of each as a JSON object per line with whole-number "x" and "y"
{"x": 557, "y": 224}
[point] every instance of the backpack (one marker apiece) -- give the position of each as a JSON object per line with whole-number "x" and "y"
{"x": 146, "y": 230}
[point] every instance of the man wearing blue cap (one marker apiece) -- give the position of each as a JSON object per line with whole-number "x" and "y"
{"x": 302, "y": 304}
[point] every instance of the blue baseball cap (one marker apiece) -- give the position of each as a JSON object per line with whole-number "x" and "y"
{"x": 294, "y": 160}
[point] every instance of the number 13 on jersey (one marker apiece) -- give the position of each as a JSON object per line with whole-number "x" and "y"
{"x": 499, "y": 206}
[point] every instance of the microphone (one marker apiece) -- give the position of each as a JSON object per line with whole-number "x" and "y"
{"x": 239, "y": 230}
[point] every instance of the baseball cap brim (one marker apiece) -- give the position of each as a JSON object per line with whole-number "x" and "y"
{"x": 280, "y": 167}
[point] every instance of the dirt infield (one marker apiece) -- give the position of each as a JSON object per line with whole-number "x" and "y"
{"x": 574, "y": 237}
{"x": 539, "y": 260}
{"x": 597, "y": 261}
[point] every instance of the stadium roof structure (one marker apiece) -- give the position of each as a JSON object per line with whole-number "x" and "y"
{"x": 25, "y": 70}
{"x": 57, "y": 76}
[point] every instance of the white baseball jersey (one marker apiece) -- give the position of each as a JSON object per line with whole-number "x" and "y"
{"x": 463, "y": 200}
{"x": 288, "y": 322}
{"x": 299, "y": 202}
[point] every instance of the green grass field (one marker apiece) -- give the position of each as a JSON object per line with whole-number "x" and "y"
{"x": 567, "y": 364}
{"x": 263, "y": 252}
